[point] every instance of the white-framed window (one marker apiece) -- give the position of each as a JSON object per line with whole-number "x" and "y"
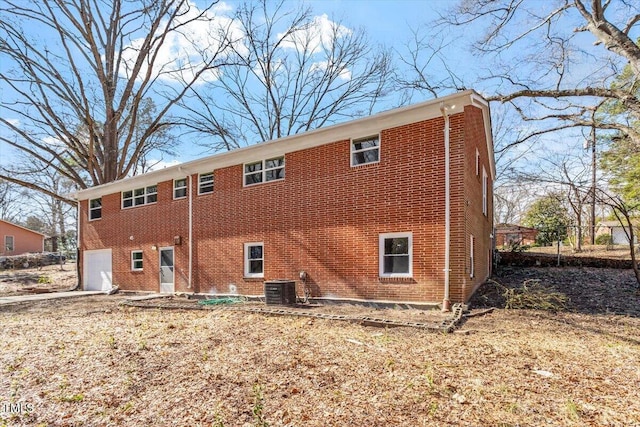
{"x": 484, "y": 190}
{"x": 477, "y": 162}
{"x": 136, "y": 260}
{"x": 180, "y": 188}
{"x": 264, "y": 171}
{"x": 140, "y": 196}
{"x": 472, "y": 249}
{"x": 365, "y": 150}
{"x": 205, "y": 183}
{"x": 396, "y": 254}
{"x": 95, "y": 209}
{"x": 8, "y": 243}
{"x": 254, "y": 259}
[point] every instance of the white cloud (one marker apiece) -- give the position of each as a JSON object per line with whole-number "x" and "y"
{"x": 180, "y": 56}
{"x": 313, "y": 37}
{"x": 13, "y": 122}
{"x": 321, "y": 66}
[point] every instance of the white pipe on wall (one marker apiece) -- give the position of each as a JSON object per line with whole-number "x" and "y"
{"x": 446, "y": 302}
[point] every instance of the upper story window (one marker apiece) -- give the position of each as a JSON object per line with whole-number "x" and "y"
{"x": 95, "y": 209}
{"x": 396, "y": 254}
{"x": 365, "y": 150}
{"x": 140, "y": 196}
{"x": 477, "y": 162}
{"x": 264, "y": 171}
{"x": 180, "y": 188}
{"x": 485, "y": 189}
{"x": 485, "y": 185}
{"x": 205, "y": 183}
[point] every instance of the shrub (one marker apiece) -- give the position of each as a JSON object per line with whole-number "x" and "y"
{"x": 604, "y": 239}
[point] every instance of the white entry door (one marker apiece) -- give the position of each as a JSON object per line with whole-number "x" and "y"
{"x": 97, "y": 270}
{"x": 166, "y": 270}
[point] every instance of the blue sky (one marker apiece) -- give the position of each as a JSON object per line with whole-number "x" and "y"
{"x": 388, "y": 23}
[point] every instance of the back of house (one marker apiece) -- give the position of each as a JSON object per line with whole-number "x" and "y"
{"x": 392, "y": 207}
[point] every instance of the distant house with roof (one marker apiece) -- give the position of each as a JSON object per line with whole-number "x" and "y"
{"x": 618, "y": 232}
{"x": 17, "y": 240}
{"x": 512, "y": 234}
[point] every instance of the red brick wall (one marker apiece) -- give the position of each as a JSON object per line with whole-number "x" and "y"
{"x": 476, "y": 223}
{"x": 324, "y": 218}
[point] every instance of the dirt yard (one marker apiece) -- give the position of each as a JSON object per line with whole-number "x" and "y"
{"x": 50, "y": 278}
{"x": 93, "y": 362}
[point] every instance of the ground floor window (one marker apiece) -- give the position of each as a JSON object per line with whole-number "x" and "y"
{"x": 136, "y": 260}
{"x": 472, "y": 244}
{"x": 8, "y": 243}
{"x": 254, "y": 259}
{"x": 396, "y": 254}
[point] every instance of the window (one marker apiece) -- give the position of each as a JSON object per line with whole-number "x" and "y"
{"x": 396, "y": 257}
{"x": 477, "y": 162}
{"x": 180, "y": 188}
{"x": 8, "y": 243}
{"x": 205, "y": 183}
{"x": 254, "y": 259}
{"x": 140, "y": 196}
{"x": 484, "y": 191}
{"x": 264, "y": 171}
{"x": 95, "y": 209}
{"x": 471, "y": 254}
{"x": 366, "y": 150}
{"x": 136, "y": 260}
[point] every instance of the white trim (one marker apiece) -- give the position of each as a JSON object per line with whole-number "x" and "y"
{"x": 381, "y": 240}
{"x": 213, "y": 180}
{"x": 134, "y": 197}
{"x": 185, "y": 187}
{"x": 133, "y": 261}
{"x": 173, "y": 267}
{"x": 315, "y": 138}
{"x": 13, "y": 243}
{"x": 246, "y": 260}
{"x": 90, "y": 209}
{"x": 362, "y": 150}
{"x": 472, "y": 270}
{"x": 263, "y": 171}
{"x": 477, "y": 162}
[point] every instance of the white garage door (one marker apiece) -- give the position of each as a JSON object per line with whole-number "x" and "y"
{"x": 97, "y": 270}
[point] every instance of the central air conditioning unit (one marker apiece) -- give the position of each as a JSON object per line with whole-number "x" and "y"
{"x": 280, "y": 292}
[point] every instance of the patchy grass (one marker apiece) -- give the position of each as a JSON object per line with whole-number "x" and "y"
{"x": 91, "y": 362}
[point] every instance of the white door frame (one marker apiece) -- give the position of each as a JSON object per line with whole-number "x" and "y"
{"x": 173, "y": 270}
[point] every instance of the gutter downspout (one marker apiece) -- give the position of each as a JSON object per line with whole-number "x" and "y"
{"x": 78, "y": 251}
{"x": 446, "y": 302}
{"x": 190, "y": 193}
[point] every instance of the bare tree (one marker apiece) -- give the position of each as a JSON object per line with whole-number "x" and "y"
{"x": 624, "y": 212}
{"x": 80, "y": 71}
{"x": 293, "y": 72}
{"x": 543, "y": 66}
{"x": 10, "y": 209}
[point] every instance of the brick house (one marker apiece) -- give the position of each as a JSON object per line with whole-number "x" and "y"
{"x": 365, "y": 208}
{"x": 17, "y": 240}
{"x": 510, "y": 234}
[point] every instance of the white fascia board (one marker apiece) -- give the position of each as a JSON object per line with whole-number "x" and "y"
{"x": 483, "y": 104}
{"x": 358, "y": 128}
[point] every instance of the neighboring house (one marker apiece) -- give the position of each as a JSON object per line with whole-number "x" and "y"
{"x": 17, "y": 240}
{"x": 617, "y": 232}
{"x": 360, "y": 207}
{"x": 511, "y": 234}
